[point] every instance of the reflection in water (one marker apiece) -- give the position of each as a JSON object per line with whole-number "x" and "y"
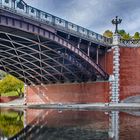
{"x": 69, "y": 125}
{"x": 114, "y": 125}
{"x": 11, "y": 122}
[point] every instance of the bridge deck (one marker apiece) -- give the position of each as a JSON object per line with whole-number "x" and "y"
{"x": 20, "y": 7}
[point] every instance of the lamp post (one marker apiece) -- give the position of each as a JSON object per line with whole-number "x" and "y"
{"x": 116, "y": 22}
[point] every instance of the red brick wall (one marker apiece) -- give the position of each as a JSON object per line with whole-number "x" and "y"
{"x": 74, "y": 93}
{"x": 7, "y": 99}
{"x": 129, "y": 127}
{"x": 106, "y": 61}
{"x": 129, "y": 72}
{"x": 69, "y": 93}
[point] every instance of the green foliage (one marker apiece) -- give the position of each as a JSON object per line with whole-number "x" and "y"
{"x": 10, "y": 123}
{"x": 10, "y": 83}
{"x": 108, "y": 33}
{"x": 122, "y": 32}
{"x": 11, "y": 93}
{"x": 136, "y": 35}
{"x": 126, "y": 36}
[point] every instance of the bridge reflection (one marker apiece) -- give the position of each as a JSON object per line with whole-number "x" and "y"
{"x": 64, "y": 124}
{"x": 70, "y": 124}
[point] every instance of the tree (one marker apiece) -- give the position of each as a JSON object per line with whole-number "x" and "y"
{"x": 108, "y": 33}
{"x": 121, "y": 32}
{"x": 136, "y": 35}
{"x": 10, "y": 83}
{"x": 126, "y": 36}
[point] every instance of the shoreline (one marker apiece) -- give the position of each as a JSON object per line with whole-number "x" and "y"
{"x": 91, "y": 106}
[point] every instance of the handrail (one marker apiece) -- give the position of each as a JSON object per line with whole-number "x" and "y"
{"x": 130, "y": 42}
{"x": 20, "y": 7}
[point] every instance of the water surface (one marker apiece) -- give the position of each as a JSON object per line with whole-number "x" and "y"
{"x": 38, "y": 124}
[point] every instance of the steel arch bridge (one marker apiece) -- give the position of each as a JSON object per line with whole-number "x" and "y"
{"x": 39, "y": 51}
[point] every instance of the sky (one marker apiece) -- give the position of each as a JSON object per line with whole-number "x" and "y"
{"x": 95, "y": 15}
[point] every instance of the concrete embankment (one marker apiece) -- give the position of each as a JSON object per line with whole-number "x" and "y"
{"x": 98, "y": 106}
{"x": 94, "y": 106}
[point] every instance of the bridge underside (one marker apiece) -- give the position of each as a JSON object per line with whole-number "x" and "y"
{"x": 38, "y": 60}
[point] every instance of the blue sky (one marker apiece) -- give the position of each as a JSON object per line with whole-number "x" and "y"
{"x": 94, "y": 14}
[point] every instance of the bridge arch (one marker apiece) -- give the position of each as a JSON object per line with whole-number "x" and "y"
{"x": 42, "y": 49}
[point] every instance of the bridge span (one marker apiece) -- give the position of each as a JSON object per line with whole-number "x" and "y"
{"x": 45, "y": 51}
{"x": 40, "y": 48}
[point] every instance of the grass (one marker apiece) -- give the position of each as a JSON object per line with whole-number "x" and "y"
{"x": 8, "y": 94}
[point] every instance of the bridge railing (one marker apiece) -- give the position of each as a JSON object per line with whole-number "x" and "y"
{"x": 130, "y": 42}
{"x": 21, "y": 7}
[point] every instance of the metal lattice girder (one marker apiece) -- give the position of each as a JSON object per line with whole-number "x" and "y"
{"x": 43, "y": 60}
{"x": 21, "y": 25}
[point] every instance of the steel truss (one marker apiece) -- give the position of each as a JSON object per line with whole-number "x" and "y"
{"x": 39, "y": 60}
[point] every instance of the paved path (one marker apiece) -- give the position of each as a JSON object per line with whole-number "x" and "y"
{"x": 102, "y": 106}
{"x": 98, "y": 106}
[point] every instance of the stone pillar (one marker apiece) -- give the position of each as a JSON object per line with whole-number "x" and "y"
{"x": 25, "y": 94}
{"x": 115, "y": 87}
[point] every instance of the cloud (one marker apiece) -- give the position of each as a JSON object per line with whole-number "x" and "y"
{"x": 94, "y": 14}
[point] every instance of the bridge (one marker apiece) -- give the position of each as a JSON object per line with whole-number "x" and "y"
{"x": 40, "y": 48}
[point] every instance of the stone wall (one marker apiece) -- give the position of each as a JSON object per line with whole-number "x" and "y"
{"x": 129, "y": 72}
{"x": 93, "y": 92}
{"x": 69, "y": 93}
{"x": 7, "y": 99}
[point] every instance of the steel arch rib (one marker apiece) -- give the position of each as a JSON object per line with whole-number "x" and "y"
{"x": 17, "y": 67}
{"x": 29, "y": 61}
{"x": 51, "y": 36}
{"x": 24, "y": 46}
{"x": 24, "y": 60}
{"x": 43, "y": 53}
{"x": 31, "y": 82}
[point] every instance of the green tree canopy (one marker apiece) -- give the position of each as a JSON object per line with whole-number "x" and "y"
{"x": 108, "y": 33}
{"x": 121, "y": 32}
{"x": 136, "y": 35}
{"x": 10, "y": 83}
{"x": 126, "y": 36}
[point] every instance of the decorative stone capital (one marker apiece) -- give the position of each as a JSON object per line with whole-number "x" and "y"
{"x": 116, "y": 39}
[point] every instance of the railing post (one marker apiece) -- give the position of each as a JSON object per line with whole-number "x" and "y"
{"x": 79, "y": 42}
{"x": 88, "y": 51}
{"x": 97, "y": 55}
